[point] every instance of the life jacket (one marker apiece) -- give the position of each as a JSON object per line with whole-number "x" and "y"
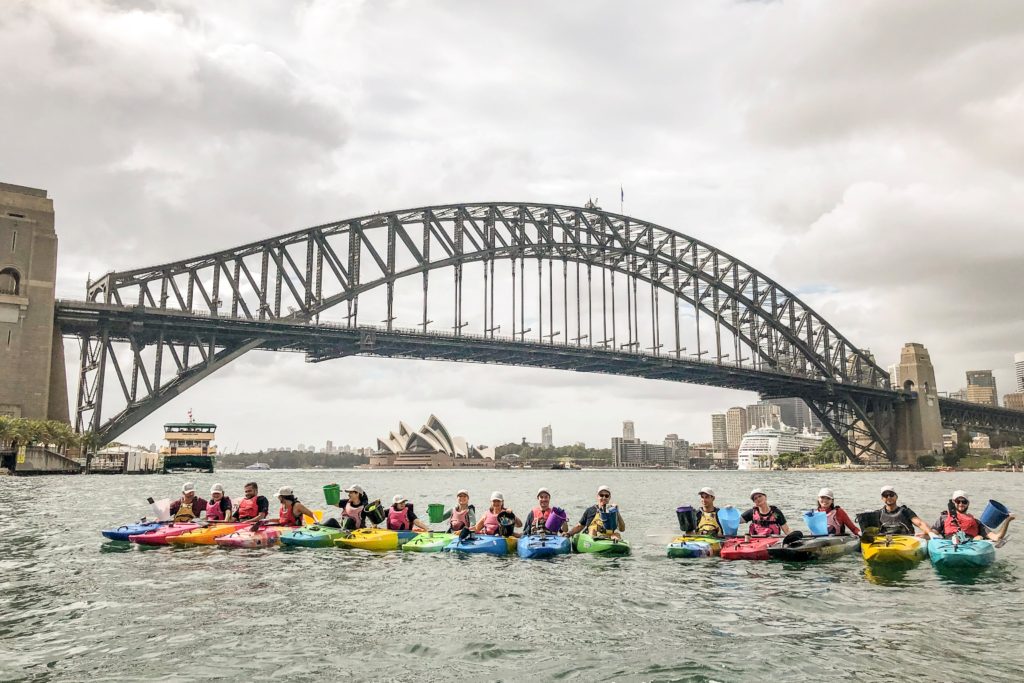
{"x": 967, "y": 523}
{"x": 459, "y": 519}
{"x": 184, "y": 513}
{"x": 893, "y": 523}
{"x": 491, "y": 523}
{"x": 835, "y": 527}
{"x": 398, "y": 520}
{"x": 540, "y": 518}
{"x": 355, "y": 513}
{"x": 287, "y": 516}
{"x": 597, "y": 528}
{"x": 213, "y": 511}
{"x": 764, "y": 525}
{"x": 707, "y": 523}
{"x": 248, "y": 508}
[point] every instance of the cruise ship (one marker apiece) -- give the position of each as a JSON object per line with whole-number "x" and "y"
{"x": 760, "y": 446}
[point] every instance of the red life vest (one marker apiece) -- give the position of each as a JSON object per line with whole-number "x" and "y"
{"x": 460, "y": 519}
{"x": 398, "y": 520}
{"x": 287, "y": 516}
{"x": 248, "y": 508}
{"x": 213, "y": 511}
{"x": 491, "y": 524}
{"x": 540, "y": 518}
{"x": 764, "y": 525}
{"x": 968, "y": 524}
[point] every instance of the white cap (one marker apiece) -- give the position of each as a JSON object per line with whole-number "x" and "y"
{"x": 356, "y": 488}
{"x": 217, "y": 488}
{"x": 497, "y": 496}
{"x": 285, "y": 491}
{"x": 755, "y": 492}
{"x": 188, "y": 487}
{"x": 708, "y": 490}
{"x": 542, "y": 490}
{"x": 461, "y": 492}
{"x": 960, "y": 493}
{"x": 826, "y": 493}
{"x": 888, "y": 488}
{"x": 603, "y": 488}
{"x": 399, "y": 498}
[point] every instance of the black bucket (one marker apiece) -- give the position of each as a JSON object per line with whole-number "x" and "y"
{"x": 869, "y": 520}
{"x": 506, "y": 523}
{"x": 687, "y": 519}
{"x": 375, "y": 513}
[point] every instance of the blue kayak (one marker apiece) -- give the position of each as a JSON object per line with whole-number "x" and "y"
{"x": 946, "y": 554}
{"x": 122, "y": 532}
{"x": 542, "y": 545}
{"x": 479, "y": 544}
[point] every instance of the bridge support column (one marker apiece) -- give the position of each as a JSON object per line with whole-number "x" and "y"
{"x": 918, "y": 423}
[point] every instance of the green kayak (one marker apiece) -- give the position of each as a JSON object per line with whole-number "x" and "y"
{"x": 312, "y": 537}
{"x": 429, "y": 542}
{"x": 585, "y": 543}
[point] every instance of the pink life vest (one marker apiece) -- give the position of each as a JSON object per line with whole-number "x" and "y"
{"x": 540, "y": 518}
{"x": 968, "y": 524}
{"x": 834, "y": 527}
{"x": 460, "y": 519}
{"x": 287, "y": 515}
{"x": 764, "y": 525}
{"x": 248, "y": 509}
{"x": 491, "y": 524}
{"x": 398, "y": 520}
{"x": 355, "y": 513}
{"x": 213, "y": 511}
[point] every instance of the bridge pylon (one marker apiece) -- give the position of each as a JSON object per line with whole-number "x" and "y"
{"x": 918, "y": 428}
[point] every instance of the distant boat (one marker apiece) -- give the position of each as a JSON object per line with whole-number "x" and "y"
{"x": 258, "y": 466}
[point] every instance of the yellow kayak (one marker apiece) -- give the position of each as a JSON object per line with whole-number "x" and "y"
{"x": 206, "y": 535}
{"x": 894, "y": 549}
{"x": 377, "y": 540}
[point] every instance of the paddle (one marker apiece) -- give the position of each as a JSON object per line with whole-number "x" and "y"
{"x": 792, "y": 537}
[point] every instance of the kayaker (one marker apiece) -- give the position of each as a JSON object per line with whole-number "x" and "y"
{"x": 764, "y": 519}
{"x": 463, "y": 515}
{"x": 292, "y": 512}
{"x": 592, "y": 520}
{"x": 708, "y": 523}
{"x": 897, "y": 519}
{"x": 218, "y": 508}
{"x": 188, "y": 507}
{"x": 956, "y": 518}
{"x": 353, "y": 510}
{"x": 254, "y": 507}
{"x": 498, "y": 520}
{"x": 838, "y": 520}
{"x": 536, "y": 519}
{"x": 402, "y": 518}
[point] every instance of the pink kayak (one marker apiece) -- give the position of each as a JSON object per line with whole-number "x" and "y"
{"x": 264, "y": 537}
{"x": 160, "y": 536}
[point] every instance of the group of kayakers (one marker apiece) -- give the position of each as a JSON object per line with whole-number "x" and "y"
{"x": 602, "y": 519}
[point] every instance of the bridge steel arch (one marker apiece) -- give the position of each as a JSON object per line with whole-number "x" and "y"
{"x": 678, "y": 300}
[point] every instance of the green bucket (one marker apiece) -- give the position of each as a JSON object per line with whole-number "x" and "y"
{"x": 332, "y": 494}
{"x": 435, "y": 512}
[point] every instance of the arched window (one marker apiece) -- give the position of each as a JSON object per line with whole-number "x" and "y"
{"x": 908, "y": 385}
{"x": 10, "y": 281}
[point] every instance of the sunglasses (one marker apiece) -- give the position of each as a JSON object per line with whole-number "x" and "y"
{"x": 890, "y": 494}
{"x": 604, "y": 495}
{"x": 962, "y": 501}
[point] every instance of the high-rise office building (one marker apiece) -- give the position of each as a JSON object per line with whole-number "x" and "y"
{"x": 719, "y": 433}
{"x": 1018, "y": 366}
{"x": 1014, "y": 401}
{"x": 894, "y": 376}
{"x": 735, "y": 426}
{"x": 793, "y": 412}
{"x": 764, "y": 414}
{"x": 545, "y": 437}
{"x": 981, "y": 387}
{"x": 628, "y": 432}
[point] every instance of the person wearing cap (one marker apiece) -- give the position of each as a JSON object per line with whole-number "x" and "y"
{"x": 708, "y": 523}
{"x": 218, "y": 508}
{"x": 188, "y": 507}
{"x": 838, "y": 520}
{"x": 292, "y": 512}
{"x": 592, "y": 521}
{"x": 498, "y": 519}
{"x": 536, "y": 519}
{"x": 401, "y": 517}
{"x": 897, "y": 519}
{"x": 462, "y": 516}
{"x": 764, "y": 519}
{"x": 254, "y": 507}
{"x": 956, "y": 518}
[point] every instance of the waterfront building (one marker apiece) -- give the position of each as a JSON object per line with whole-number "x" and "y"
{"x": 431, "y": 447}
{"x": 545, "y": 437}
{"x": 980, "y": 442}
{"x": 949, "y": 439}
{"x": 680, "y": 448}
{"x": 762, "y": 445}
{"x": 719, "y": 433}
{"x": 793, "y": 412}
{"x": 1014, "y": 401}
{"x": 735, "y": 426}
{"x": 764, "y": 414}
{"x": 1018, "y": 366}
{"x": 628, "y": 431}
{"x": 981, "y": 387}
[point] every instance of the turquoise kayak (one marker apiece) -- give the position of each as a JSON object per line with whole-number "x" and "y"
{"x": 542, "y": 546}
{"x": 429, "y": 542}
{"x": 946, "y": 554}
{"x": 312, "y": 537}
{"x": 585, "y": 543}
{"x": 479, "y": 544}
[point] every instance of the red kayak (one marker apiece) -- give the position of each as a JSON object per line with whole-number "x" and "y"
{"x": 160, "y": 536}
{"x": 752, "y": 548}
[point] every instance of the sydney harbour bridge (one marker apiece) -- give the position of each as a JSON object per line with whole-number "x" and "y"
{"x": 548, "y": 286}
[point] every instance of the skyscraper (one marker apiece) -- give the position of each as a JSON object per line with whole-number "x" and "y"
{"x": 793, "y": 412}
{"x": 763, "y": 414}
{"x": 719, "y": 433}
{"x": 894, "y": 376}
{"x": 981, "y": 387}
{"x": 735, "y": 426}
{"x": 627, "y": 430}
{"x": 545, "y": 437}
{"x": 1018, "y": 363}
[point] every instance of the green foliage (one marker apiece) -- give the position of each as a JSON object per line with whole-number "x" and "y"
{"x": 926, "y": 461}
{"x": 952, "y": 458}
{"x": 580, "y": 454}
{"x": 281, "y": 460}
{"x": 18, "y": 431}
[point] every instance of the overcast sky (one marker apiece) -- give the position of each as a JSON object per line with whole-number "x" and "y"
{"x": 868, "y": 155}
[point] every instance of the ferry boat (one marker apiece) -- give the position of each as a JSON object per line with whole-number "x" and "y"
{"x": 190, "y": 446}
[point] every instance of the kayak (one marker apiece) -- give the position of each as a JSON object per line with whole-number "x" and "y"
{"x": 206, "y": 535}
{"x": 162, "y": 535}
{"x": 264, "y": 537}
{"x": 122, "y": 532}
{"x": 377, "y": 540}
{"x": 429, "y": 542}
{"x": 813, "y": 548}
{"x": 887, "y": 549}
{"x": 694, "y": 546}
{"x": 541, "y": 546}
{"x": 752, "y": 548}
{"x": 312, "y": 537}
{"x": 585, "y": 543}
{"x": 946, "y": 554}
{"x": 480, "y": 544}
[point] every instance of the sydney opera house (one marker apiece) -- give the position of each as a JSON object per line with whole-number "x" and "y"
{"x": 430, "y": 447}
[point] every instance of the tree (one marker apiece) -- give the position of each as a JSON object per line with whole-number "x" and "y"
{"x": 926, "y": 461}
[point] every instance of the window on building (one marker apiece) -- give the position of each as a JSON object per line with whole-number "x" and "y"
{"x": 10, "y": 281}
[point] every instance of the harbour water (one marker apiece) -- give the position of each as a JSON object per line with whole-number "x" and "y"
{"x": 76, "y": 607}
